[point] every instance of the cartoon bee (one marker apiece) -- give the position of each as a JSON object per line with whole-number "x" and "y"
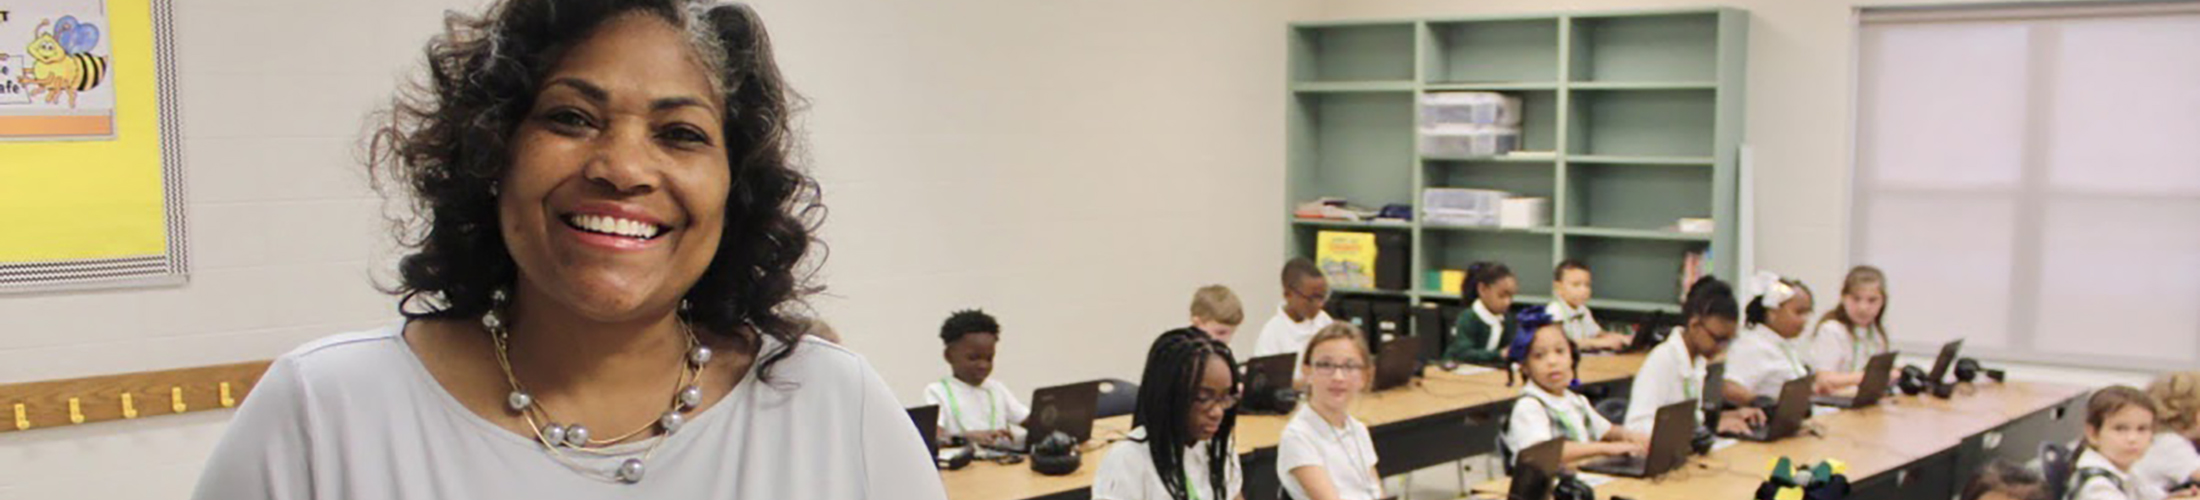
{"x": 62, "y": 60}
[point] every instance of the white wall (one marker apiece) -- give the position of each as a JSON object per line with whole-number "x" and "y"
{"x": 1075, "y": 167}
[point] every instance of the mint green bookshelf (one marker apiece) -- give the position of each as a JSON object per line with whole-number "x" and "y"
{"x": 1632, "y": 121}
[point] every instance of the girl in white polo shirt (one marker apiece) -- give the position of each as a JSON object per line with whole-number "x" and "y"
{"x": 1325, "y": 453}
{"x": 1771, "y": 350}
{"x": 1549, "y": 408}
{"x": 1674, "y": 370}
{"x": 1179, "y": 446}
{"x": 1854, "y": 331}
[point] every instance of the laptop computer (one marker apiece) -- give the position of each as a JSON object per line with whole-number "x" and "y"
{"x": 1669, "y": 436}
{"x": 1264, "y": 376}
{"x": 1068, "y": 409}
{"x": 1868, "y": 392}
{"x": 1535, "y": 470}
{"x": 1398, "y": 362}
{"x": 1947, "y": 359}
{"x": 927, "y": 418}
{"x": 1787, "y": 417}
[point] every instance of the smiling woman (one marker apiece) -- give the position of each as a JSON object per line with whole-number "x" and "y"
{"x": 607, "y": 237}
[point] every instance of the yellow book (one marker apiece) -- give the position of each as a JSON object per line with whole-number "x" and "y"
{"x": 1452, "y": 280}
{"x": 1347, "y": 258}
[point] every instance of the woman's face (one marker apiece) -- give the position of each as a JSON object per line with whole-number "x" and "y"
{"x": 615, "y": 198}
{"x": 1788, "y": 319}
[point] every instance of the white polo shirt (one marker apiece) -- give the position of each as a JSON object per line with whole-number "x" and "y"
{"x": 1578, "y": 323}
{"x": 1669, "y": 375}
{"x": 1832, "y": 350}
{"x": 1128, "y": 473}
{"x": 1761, "y": 360}
{"x": 1346, "y": 453}
{"x": 1532, "y": 421}
{"x": 2170, "y": 460}
{"x": 1283, "y": 336}
{"x": 965, "y": 408}
{"x": 2102, "y": 489}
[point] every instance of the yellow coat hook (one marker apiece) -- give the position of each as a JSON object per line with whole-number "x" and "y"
{"x": 227, "y": 401}
{"x": 22, "y": 421}
{"x": 129, "y": 407}
{"x": 76, "y": 411}
{"x": 175, "y": 400}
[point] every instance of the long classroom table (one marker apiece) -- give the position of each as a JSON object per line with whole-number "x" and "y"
{"x": 1908, "y": 447}
{"x": 1442, "y": 417}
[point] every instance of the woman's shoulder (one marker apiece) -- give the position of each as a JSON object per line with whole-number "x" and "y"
{"x": 348, "y": 358}
{"x": 812, "y": 361}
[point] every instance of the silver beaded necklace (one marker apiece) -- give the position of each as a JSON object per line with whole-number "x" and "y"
{"x": 559, "y": 439}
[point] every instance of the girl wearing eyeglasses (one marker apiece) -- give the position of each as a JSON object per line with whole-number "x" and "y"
{"x": 1325, "y": 453}
{"x": 1179, "y": 446}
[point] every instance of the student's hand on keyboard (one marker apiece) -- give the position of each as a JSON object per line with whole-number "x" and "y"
{"x": 1754, "y": 416}
{"x": 1733, "y": 422}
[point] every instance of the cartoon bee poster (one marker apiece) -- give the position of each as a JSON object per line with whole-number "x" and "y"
{"x": 56, "y": 74}
{"x": 91, "y": 171}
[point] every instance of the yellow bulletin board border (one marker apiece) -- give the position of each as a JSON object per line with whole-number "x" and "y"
{"x": 170, "y": 267}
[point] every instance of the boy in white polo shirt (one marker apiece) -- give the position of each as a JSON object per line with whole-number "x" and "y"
{"x": 973, "y": 406}
{"x": 1301, "y": 315}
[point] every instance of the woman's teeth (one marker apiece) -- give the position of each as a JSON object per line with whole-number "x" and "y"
{"x": 615, "y": 226}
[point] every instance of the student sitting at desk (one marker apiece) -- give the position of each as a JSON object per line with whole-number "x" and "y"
{"x": 1480, "y": 335}
{"x": 2119, "y": 426}
{"x": 1305, "y": 290}
{"x": 1674, "y": 370}
{"x": 2174, "y": 457}
{"x": 1217, "y": 312}
{"x": 1771, "y": 350}
{"x": 1326, "y": 454}
{"x": 1179, "y": 447}
{"x": 1571, "y": 283}
{"x": 972, "y": 405}
{"x": 1549, "y": 408}
{"x": 1853, "y": 332}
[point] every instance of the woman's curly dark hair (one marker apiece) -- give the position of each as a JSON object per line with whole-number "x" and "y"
{"x": 447, "y": 141}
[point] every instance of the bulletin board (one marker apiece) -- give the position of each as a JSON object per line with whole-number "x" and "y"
{"x": 91, "y": 191}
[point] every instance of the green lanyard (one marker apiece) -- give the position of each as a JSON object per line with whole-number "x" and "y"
{"x": 1795, "y": 361}
{"x": 994, "y": 411}
{"x": 1691, "y": 384}
{"x": 1859, "y": 352}
{"x": 1188, "y": 485}
{"x": 1568, "y": 422}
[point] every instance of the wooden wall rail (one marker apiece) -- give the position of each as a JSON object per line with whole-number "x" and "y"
{"x": 59, "y": 403}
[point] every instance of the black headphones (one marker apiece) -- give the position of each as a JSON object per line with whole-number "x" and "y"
{"x": 1912, "y": 381}
{"x": 1968, "y": 369}
{"x": 1056, "y": 455}
{"x": 1571, "y": 487}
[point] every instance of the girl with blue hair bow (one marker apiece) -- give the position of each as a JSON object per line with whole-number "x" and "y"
{"x": 1549, "y": 408}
